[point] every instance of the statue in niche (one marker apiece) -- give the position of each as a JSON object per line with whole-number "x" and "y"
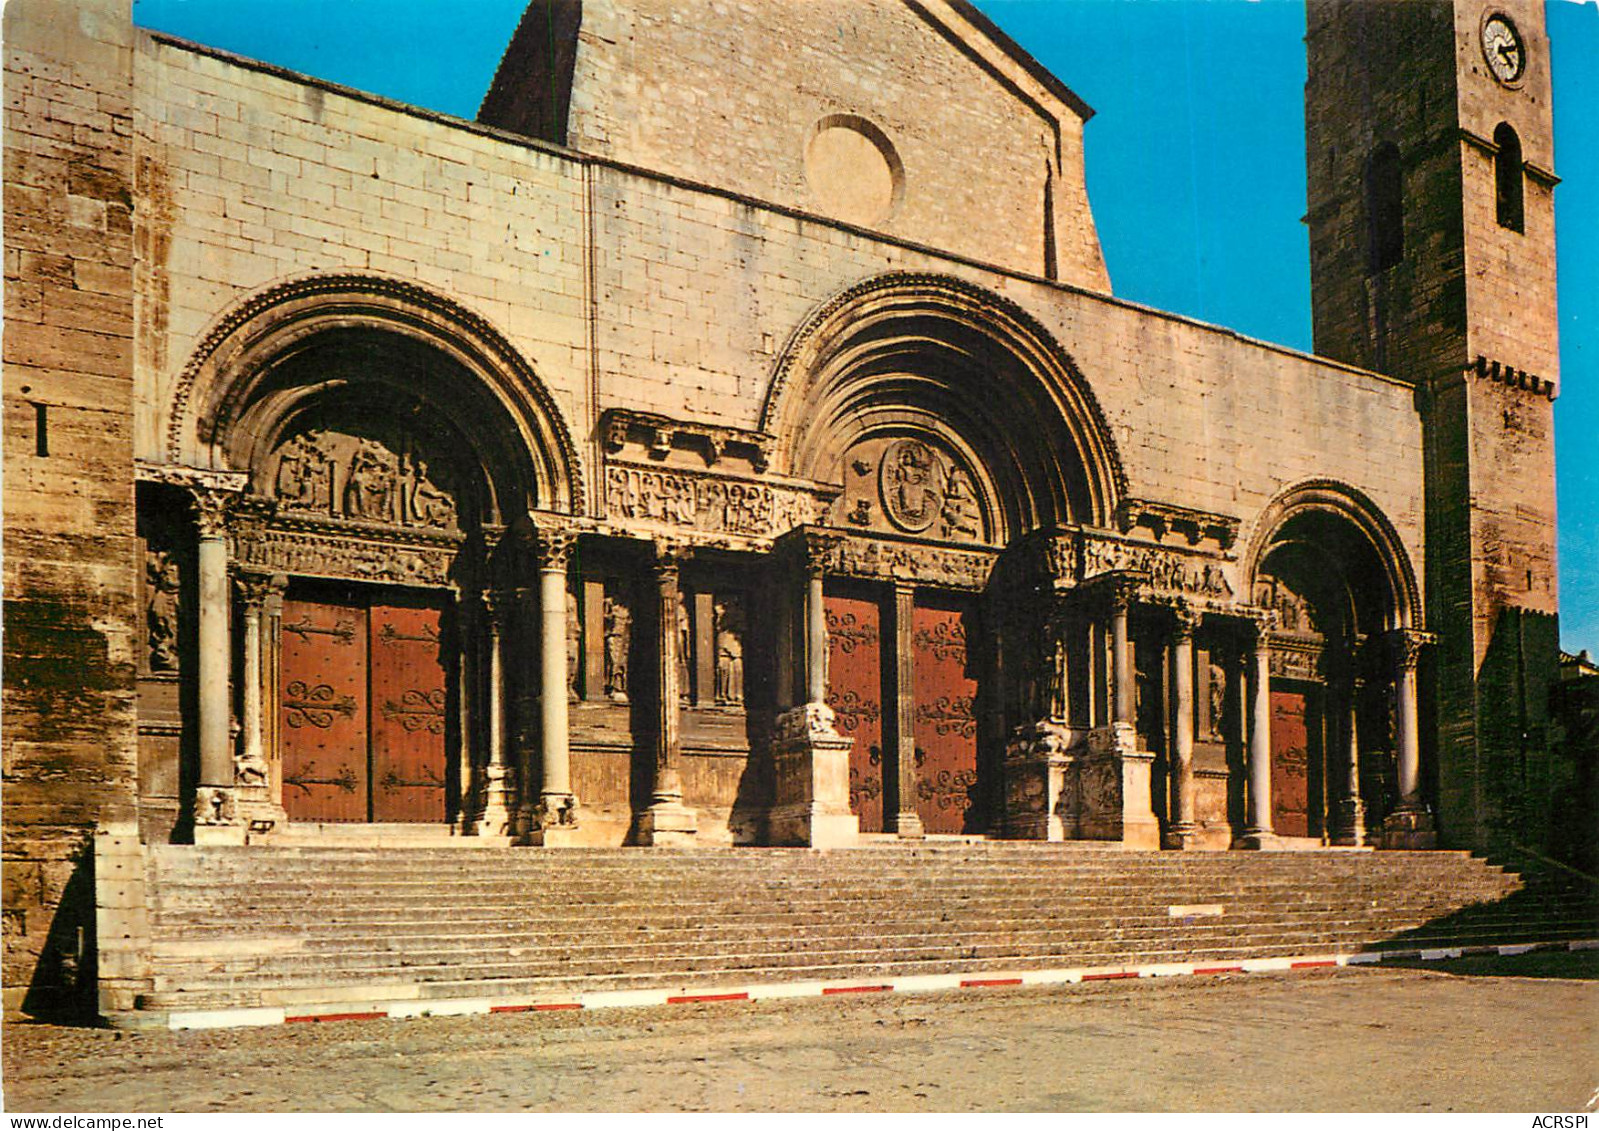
{"x": 729, "y": 652}
{"x": 370, "y": 491}
{"x": 909, "y": 484}
{"x": 162, "y": 582}
{"x": 427, "y": 505}
{"x": 685, "y": 650}
{"x": 961, "y": 517}
{"x": 302, "y": 479}
{"x": 1218, "y": 698}
{"x": 574, "y": 644}
{"x": 618, "y": 632}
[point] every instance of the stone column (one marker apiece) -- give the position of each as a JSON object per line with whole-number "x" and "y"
{"x": 1258, "y": 829}
{"x": 499, "y": 787}
{"x": 216, "y": 818}
{"x": 251, "y": 773}
{"x": 271, "y": 663}
{"x": 1121, "y": 656}
{"x": 1351, "y": 809}
{"x": 667, "y": 820}
{"x": 468, "y": 619}
{"x": 902, "y": 817}
{"x": 811, "y": 759}
{"x": 555, "y": 815}
{"x": 1410, "y": 824}
{"x": 1182, "y": 829}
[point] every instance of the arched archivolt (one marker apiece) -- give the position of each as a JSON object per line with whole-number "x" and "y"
{"x": 1339, "y": 536}
{"x": 933, "y": 356}
{"x": 368, "y": 343}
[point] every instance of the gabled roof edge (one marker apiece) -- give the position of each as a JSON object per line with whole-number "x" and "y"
{"x": 1020, "y": 55}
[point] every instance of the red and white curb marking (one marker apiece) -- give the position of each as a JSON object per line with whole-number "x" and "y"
{"x": 912, "y": 983}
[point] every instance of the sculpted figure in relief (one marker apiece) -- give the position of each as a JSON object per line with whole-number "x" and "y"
{"x": 909, "y": 484}
{"x": 729, "y": 652}
{"x": 302, "y": 479}
{"x": 369, "y": 492}
{"x": 961, "y": 517}
{"x": 618, "y": 623}
{"x": 161, "y": 610}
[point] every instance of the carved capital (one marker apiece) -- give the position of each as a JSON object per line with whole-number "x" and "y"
{"x": 668, "y": 560}
{"x": 1405, "y": 645}
{"x": 211, "y": 507}
{"x": 257, "y": 586}
{"x": 552, "y": 549}
{"x": 1122, "y": 590}
{"x": 501, "y": 604}
{"x": 817, "y": 550}
{"x": 1184, "y": 620}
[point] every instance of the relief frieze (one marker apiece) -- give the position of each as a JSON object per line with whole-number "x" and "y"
{"x": 1168, "y": 571}
{"x": 930, "y": 565}
{"x": 331, "y": 474}
{"x": 323, "y": 555}
{"x": 712, "y": 504}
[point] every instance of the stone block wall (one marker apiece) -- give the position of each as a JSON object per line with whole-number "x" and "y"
{"x": 766, "y": 100}
{"x": 68, "y": 715}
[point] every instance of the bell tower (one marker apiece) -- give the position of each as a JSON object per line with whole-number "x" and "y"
{"x": 1429, "y": 151}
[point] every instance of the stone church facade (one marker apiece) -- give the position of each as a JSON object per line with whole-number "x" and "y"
{"x": 731, "y": 437}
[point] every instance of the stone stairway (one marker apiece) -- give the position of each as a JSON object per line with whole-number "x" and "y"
{"x": 274, "y": 926}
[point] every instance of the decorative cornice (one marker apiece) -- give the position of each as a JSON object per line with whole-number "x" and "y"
{"x": 658, "y": 434}
{"x": 1513, "y": 377}
{"x": 1194, "y": 525}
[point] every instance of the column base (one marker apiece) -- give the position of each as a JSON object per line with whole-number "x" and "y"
{"x": 812, "y": 787}
{"x": 1180, "y": 837}
{"x": 552, "y": 822}
{"x": 220, "y": 834}
{"x": 498, "y": 817}
{"x": 1260, "y": 840}
{"x": 666, "y": 822}
{"x": 216, "y": 816}
{"x": 1409, "y": 826}
{"x": 1350, "y": 831}
{"x": 906, "y": 826}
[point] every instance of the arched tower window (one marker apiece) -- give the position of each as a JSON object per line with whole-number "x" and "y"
{"x": 1507, "y": 177}
{"x": 1385, "y": 208}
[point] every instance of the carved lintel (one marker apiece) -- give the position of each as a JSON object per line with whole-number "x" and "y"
{"x": 231, "y": 482}
{"x": 1170, "y": 571}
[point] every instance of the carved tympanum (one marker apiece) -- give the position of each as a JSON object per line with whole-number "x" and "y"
{"x": 383, "y": 475}
{"x": 912, "y": 485}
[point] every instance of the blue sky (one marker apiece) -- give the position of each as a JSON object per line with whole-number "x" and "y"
{"x": 1195, "y": 99}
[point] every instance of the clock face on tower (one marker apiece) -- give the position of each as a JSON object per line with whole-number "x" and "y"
{"x": 1502, "y": 48}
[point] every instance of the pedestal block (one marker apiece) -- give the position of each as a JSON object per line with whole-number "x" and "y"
{"x": 811, "y": 806}
{"x": 1114, "y": 789}
{"x": 1409, "y": 826}
{"x": 1042, "y": 798}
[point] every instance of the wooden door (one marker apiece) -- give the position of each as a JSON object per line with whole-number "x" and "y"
{"x": 855, "y": 692}
{"x": 946, "y": 717}
{"x": 323, "y": 711}
{"x": 362, "y": 710}
{"x": 407, "y": 713}
{"x": 1290, "y": 763}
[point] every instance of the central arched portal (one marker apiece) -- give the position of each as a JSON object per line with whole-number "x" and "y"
{"x": 952, "y": 425}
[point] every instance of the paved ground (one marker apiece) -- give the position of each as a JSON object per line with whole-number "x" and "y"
{"x": 1484, "y": 1035}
